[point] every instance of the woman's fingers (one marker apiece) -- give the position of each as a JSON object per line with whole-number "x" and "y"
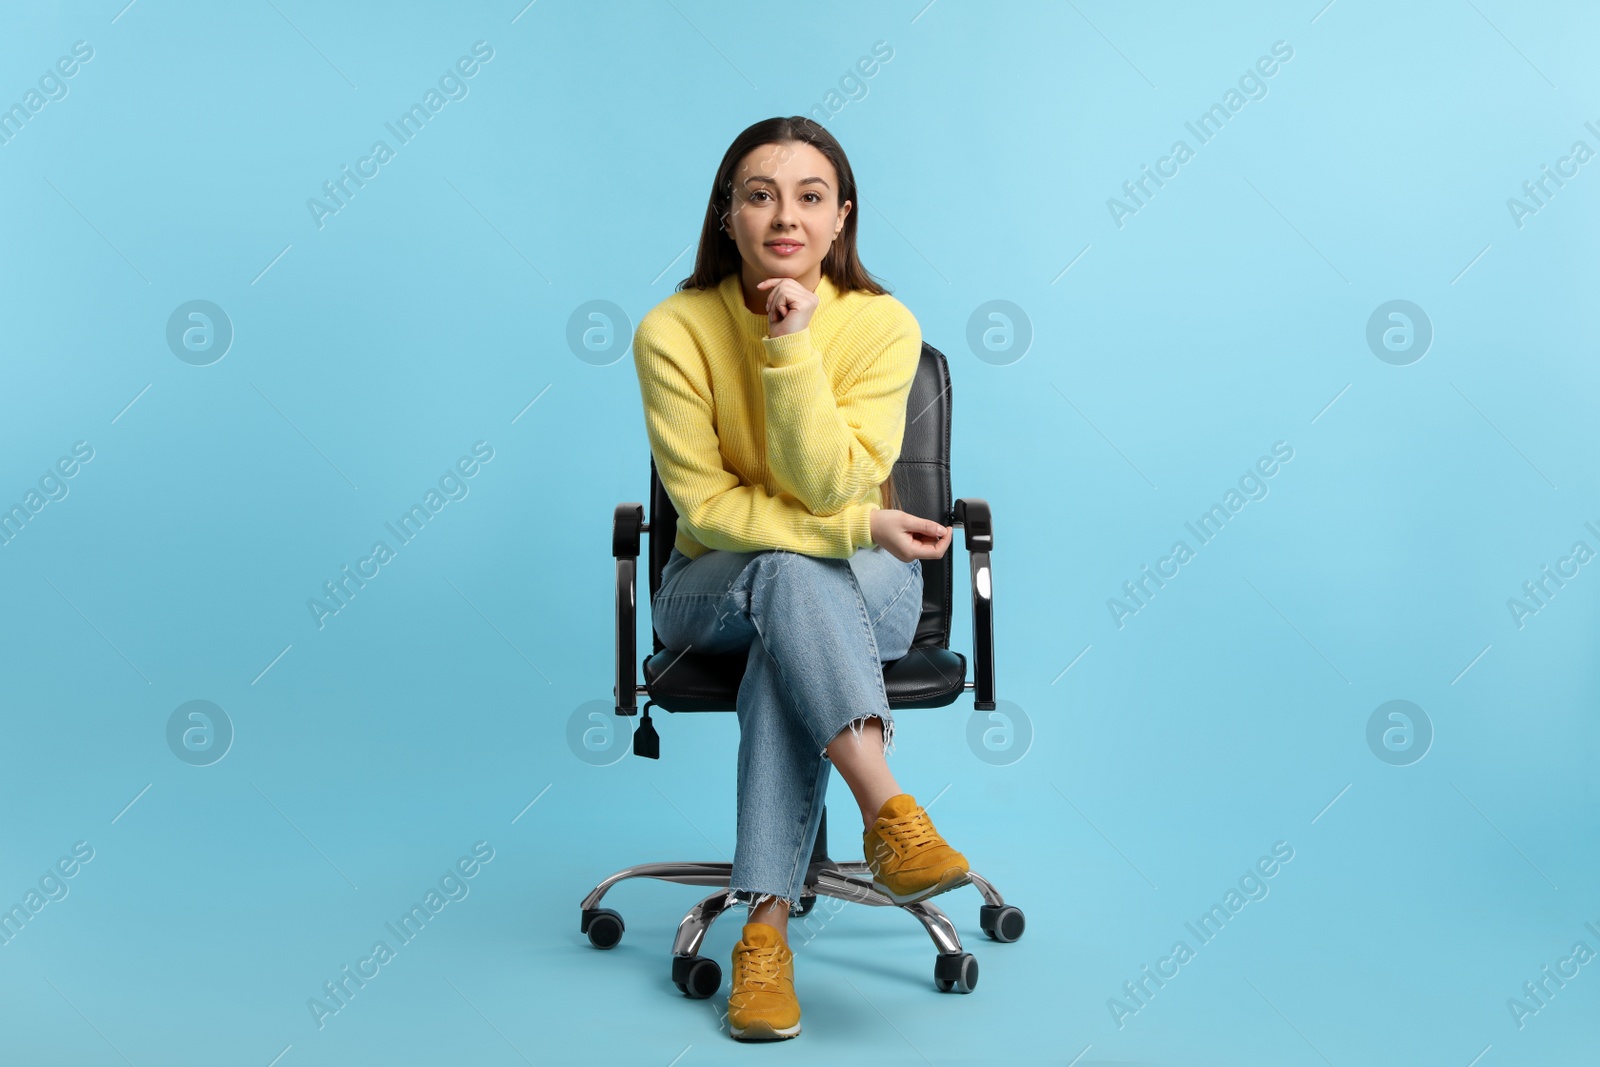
{"x": 920, "y": 538}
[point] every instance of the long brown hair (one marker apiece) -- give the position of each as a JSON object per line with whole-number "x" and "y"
{"x": 718, "y": 255}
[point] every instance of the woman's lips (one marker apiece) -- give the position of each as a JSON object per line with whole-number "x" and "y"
{"x": 787, "y": 248}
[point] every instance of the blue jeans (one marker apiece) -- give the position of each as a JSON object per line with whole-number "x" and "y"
{"x": 818, "y": 632}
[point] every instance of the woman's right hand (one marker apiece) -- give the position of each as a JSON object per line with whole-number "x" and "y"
{"x": 907, "y": 537}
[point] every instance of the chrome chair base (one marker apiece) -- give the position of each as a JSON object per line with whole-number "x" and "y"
{"x": 697, "y": 976}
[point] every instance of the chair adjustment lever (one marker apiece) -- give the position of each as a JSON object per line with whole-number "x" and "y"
{"x": 646, "y": 742}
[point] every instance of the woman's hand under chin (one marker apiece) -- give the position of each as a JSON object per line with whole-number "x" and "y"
{"x": 789, "y": 306}
{"x": 907, "y": 537}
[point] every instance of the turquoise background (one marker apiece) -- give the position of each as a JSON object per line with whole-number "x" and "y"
{"x": 432, "y": 312}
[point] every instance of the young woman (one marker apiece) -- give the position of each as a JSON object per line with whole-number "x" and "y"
{"x": 775, "y": 382}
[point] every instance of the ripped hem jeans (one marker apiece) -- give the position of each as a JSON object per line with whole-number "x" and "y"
{"x": 816, "y": 632}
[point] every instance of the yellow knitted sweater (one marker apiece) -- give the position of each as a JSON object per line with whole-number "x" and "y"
{"x": 775, "y": 442}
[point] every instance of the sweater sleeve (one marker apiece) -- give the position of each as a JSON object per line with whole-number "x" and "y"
{"x": 713, "y": 503}
{"x": 831, "y": 451}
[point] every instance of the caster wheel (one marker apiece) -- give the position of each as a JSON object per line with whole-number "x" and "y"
{"x": 806, "y": 904}
{"x": 696, "y": 976}
{"x": 603, "y": 926}
{"x": 1001, "y": 921}
{"x": 957, "y": 972}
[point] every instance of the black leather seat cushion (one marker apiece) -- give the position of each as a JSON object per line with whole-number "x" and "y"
{"x": 925, "y": 677}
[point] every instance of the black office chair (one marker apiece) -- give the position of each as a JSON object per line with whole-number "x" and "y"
{"x": 930, "y": 675}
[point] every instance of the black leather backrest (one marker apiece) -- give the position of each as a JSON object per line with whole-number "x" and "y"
{"x": 921, "y": 478}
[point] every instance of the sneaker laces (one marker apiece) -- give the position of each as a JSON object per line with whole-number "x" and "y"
{"x": 911, "y": 833}
{"x": 760, "y": 968}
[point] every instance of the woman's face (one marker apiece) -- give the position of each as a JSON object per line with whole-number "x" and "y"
{"x": 786, "y": 212}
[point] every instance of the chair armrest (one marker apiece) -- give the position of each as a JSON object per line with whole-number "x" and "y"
{"x": 972, "y": 514}
{"x": 626, "y": 523}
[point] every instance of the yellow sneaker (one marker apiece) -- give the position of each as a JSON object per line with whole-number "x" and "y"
{"x": 762, "y": 1005}
{"x": 908, "y": 859}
